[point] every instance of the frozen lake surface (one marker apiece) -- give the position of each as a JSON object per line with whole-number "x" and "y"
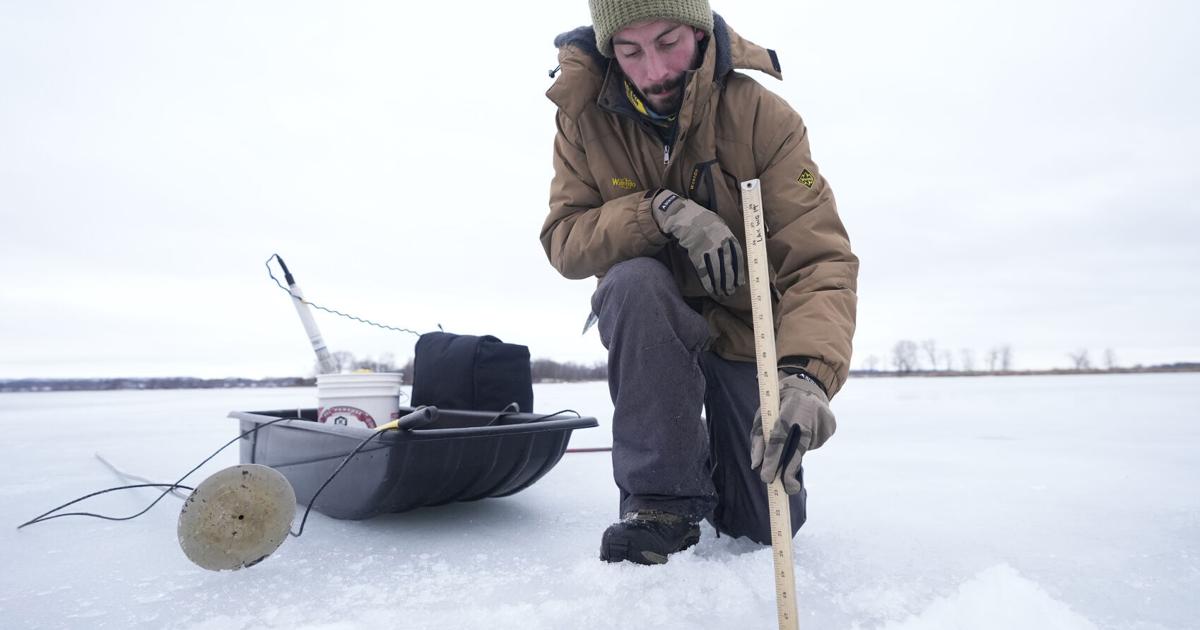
{"x": 1015, "y": 502}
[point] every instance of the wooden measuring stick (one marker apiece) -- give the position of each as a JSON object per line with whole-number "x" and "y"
{"x": 768, "y": 397}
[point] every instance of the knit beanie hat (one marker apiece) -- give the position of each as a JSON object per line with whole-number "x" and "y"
{"x": 610, "y": 16}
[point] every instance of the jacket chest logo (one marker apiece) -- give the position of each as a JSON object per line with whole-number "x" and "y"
{"x": 624, "y": 183}
{"x": 807, "y": 179}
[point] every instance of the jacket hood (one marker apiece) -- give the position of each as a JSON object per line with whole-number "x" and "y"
{"x": 584, "y": 68}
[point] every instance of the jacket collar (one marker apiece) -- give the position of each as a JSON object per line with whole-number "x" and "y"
{"x": 588, "y": 77}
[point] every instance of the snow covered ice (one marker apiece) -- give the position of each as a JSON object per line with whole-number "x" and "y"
{"x": 1016, "y": 502}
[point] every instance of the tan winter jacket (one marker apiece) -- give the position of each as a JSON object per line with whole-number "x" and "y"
{"x": 731, "y": 129}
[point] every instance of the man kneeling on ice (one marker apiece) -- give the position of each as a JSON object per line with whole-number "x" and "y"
{"x": 656, "y": 129}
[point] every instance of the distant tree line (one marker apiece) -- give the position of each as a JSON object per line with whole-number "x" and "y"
{"x": 345, "y": 362}
{"x": 174, "y": 382}
{"x": 909, "y": 358}
{"x": 548, "y": 371}
{"x": 543, "y": 370}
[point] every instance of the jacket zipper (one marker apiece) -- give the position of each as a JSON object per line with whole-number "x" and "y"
{"x": 674, "y": 139}
{"x": 646, "y": 127}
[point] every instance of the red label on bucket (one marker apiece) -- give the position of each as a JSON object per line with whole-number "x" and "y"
{"x": 346, "y": 416}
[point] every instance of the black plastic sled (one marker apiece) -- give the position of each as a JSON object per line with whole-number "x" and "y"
{"x": 462, "y": 456}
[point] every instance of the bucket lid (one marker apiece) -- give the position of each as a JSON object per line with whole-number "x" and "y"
{"x": 367, "y": 378}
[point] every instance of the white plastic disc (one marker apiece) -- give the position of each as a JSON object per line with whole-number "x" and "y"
{"x": 237, "y": 517}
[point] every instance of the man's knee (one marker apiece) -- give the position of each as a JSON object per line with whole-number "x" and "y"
{"x": 633, "y": 277}
{"x": 640, "y": 295}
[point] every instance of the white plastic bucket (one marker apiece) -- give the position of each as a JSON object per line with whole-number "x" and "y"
{"x": 358, "y": 400}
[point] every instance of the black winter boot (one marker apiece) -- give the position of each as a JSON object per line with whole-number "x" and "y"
{"x": 647, "y": 537}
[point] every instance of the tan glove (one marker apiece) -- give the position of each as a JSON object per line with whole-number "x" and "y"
{"x": 804, "y": 423}
{"x": 710, "y": 245}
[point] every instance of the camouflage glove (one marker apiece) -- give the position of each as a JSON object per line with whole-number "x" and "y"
{"x": 710, "y": 245}
{"x": 804, "y": 423}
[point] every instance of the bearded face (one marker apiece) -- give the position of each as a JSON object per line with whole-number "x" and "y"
{"x": 655, "y": 56}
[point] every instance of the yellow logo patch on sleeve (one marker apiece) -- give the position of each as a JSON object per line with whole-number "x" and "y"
{"x": 624, "y": 183}
{"x": 807, "y": 179}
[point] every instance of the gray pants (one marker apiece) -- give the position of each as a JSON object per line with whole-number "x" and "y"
{"x": 666, "y": 455}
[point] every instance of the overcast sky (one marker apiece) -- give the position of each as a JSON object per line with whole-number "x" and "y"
{"x": 1013, "y": 172}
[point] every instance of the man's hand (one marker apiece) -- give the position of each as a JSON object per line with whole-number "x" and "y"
{"x": 712, "y": 248}
{"x": 804, "y": 423}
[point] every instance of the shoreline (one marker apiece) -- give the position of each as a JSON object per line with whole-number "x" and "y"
{"x": 33, "y": 385}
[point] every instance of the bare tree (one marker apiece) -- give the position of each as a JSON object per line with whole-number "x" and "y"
{"x": 968, "y": 360}
{"x": 1080, "y": 359}
{"x": 548, "y": 370}
{"x": 385, "y": 363}
{"x": 931, "y": 351}
{"x": 342, "y": 361}
{"x": 993, "y": 359}
{"x": 948, "y": 360}
{"x": 407, "y": 371}
{"x": 1110, "y": 359}
{"x": 904, "y": 356}
{"x": 871, "y": 363}
{"x": 1005, "y": 357}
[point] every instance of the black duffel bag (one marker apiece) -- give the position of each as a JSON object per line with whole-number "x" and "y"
{"x": 471, "y": 373}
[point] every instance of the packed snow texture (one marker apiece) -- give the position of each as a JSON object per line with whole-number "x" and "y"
{"x": 982, "y": 503}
